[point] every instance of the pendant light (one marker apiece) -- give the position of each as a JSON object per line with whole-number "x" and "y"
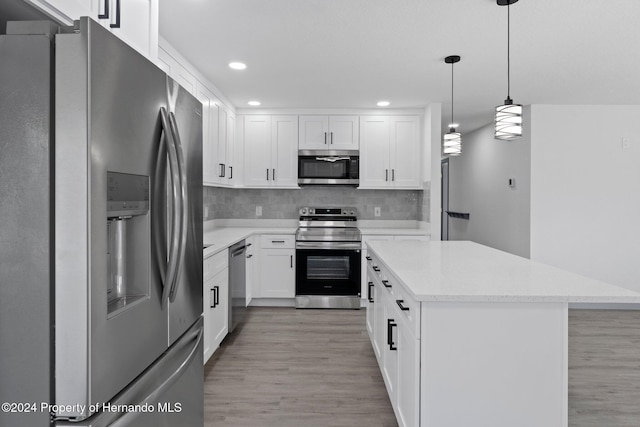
{"x": 452, "y": 140}
{"x": 509, "y": 115}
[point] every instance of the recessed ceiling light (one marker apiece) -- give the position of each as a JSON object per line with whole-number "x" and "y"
{"x": 383, "y": 103}
{"x": 237, "y": 65}
{"x": 254, "y": 103}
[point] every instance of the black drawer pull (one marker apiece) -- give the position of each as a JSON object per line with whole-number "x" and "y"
{"x": 369, "y": 297}
{"x": 386, "y": 283}
{"x": 368, "y": 258}
{"x": 402, "y": 307}
{"x": 376, "y": 269}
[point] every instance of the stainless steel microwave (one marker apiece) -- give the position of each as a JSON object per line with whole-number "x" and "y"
{"x": 323, "y": 167}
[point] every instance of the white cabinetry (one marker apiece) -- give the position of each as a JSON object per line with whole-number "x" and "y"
{"x": 395, "y": 339}
{"x": 276, "y": 267}
{"x": 250, "y": 269}
{"x": 173, "y": 66}
{"x": 215, "y": 299}
{"x": 134, "y": 21}
{"x": 328, "y": 133}
{"x": 390, "y": 152}
{"x": 270, "y": 151}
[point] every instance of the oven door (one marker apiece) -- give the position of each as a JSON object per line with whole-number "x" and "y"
{"x": 328, "y": 272}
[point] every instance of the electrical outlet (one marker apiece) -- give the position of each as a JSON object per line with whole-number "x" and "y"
{"x": 258, "y": 210}
{"x": 376, "y": 211}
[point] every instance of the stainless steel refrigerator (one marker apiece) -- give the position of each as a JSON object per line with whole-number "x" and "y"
{"x": 100, "y": 235}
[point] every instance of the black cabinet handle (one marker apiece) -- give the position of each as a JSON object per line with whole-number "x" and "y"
{"x": 386, "y": 174}
{"x": 331, "y": 137}
{"x": 325, "y": 137}
{"x": 375, "y": 268}
{"x": 105, "y": 14}
{"x": 267, "y": 174}
{"x": 386, "y": 283}
{"x": 216, "y": 294}
{"x": 291, "y": 261}
{"x": 369, "y": 297}
{"x": 390, "y": 325}
{"x": 402, "y": 307}
{"x": 230, "y": 172}
{"x": 117, "y": 24}
{"x": 393, "y": 174}
{"x": 221, "y": 173}
{"x": 273, "y": 175}
{"x": 212, "y": 298}
{"x": 277, "y": 241}
{"x": 368, "y": 258}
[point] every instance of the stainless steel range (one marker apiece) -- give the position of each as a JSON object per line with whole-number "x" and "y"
{"x": 328, "y": 263}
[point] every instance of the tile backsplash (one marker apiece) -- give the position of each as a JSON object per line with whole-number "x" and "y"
{"x": 240, "y": 203}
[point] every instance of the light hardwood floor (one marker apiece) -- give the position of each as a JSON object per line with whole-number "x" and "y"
{"x": 299, "y": 368}
{"x": 288, "y": 367}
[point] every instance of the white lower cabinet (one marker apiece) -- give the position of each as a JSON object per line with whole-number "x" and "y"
{"x": 394, "y": 318}
{"x": 215, "y": 300}
{"x": 276, "y": 265}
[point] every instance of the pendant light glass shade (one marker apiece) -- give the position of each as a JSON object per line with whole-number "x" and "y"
{"x": 508, "y": 121}
{"x": 452, "y": 141}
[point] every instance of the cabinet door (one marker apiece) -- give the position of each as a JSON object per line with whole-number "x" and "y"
{"x": 374, "y": 152}
{"x": 277, "y": 273}
{"x": 216, "y": 302}
{"x": 66, "y": 11}
{"x": 390, "y": 349}
{"x": 209, "y": 133}
{"x": 231, "y": 170}
{"x": 177, "y": 71}
{"x": 344, "y": 133}
{"x": 137, "y": 24}
{"x": 257, "y": 151}
{"x": 379, "y": 325}
{"x": 313, "y": 134}
{"x": 408, "y": 385}
{"x": 370, "y": 294}
{"x": 405, "y": 152}
{"x": 222, "y": 166}
{"x": 284, "y": 141}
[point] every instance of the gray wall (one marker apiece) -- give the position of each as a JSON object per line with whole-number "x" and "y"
{"x": 228, "y": 203}
{"x": 499, "y": 214}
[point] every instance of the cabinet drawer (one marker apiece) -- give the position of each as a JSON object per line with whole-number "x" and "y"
{"x": 215, "y": 264}
{"x": 278, "y": 241}
{"x": 408, "y": 309}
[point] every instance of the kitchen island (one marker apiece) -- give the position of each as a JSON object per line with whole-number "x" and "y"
{"x": 469, "y": 335}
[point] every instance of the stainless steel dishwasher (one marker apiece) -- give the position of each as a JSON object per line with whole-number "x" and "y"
{"x": 237, "y": 284}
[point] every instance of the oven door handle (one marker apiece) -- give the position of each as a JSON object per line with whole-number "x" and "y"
{"x": 329, "y": 245}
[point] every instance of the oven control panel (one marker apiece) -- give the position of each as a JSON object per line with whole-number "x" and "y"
{"x": 349, "y": 211}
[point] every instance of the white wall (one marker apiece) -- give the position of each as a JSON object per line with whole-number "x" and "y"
{"x": 585, "y": 195}
{"x": 478, "y": 184}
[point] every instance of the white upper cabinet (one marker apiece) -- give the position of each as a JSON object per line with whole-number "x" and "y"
{"x": 178, "y": 72}
{"x": 270, "y": 151}
{"x": 210, "y": 110}
{"x": 134, "y": 21}
{"x": 390, "y": 152}
{"x": 328, "y": 133}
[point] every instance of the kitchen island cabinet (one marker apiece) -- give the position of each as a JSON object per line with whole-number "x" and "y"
{"x": 492, "y": 332}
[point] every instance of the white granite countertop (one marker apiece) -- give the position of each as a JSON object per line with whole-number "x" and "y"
{"x": 220, "y": 234}
{"x": 466, "y": 271}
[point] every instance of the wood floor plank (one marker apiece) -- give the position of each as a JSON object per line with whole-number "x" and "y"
{"x": 287, "y": 367}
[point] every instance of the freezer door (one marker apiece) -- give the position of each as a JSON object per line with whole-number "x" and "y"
{"x": 168, "y": 394}
{"x": 110, "y": 321}
{"x": 185, "y": 296}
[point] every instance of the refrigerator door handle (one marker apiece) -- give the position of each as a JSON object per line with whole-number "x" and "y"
{"x": 183, "y": 205}
{"x": 172, "y": 263}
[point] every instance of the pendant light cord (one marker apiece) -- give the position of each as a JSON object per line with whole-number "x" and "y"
{"x": 452, "y": 122}
{"x": 508, "y": 52}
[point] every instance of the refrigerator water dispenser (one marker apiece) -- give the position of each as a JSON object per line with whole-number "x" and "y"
{"x": 127, "y": 239}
